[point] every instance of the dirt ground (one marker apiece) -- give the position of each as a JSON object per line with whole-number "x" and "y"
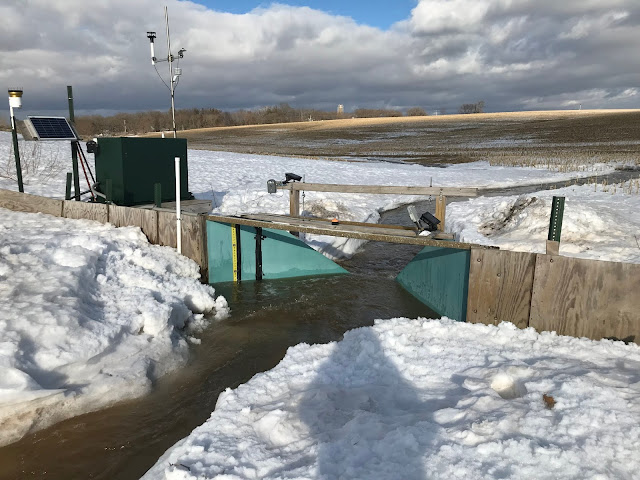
{"x": 518, "y": 138}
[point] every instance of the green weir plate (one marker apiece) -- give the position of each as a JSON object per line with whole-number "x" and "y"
{"x": 283, "y": 255}
{"x": 439, "y": 278}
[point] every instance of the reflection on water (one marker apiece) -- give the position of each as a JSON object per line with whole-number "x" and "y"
{"x": 268, "y": 317}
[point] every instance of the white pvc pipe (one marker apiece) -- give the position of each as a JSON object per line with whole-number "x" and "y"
{"x": 178, "y": 219}
{"x": 153, "y": 54}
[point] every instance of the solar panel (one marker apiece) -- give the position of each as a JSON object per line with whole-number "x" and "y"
{"x": 50, "y": 128}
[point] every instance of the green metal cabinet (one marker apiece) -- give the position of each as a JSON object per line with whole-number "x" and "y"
{"x": 134, "y": 165}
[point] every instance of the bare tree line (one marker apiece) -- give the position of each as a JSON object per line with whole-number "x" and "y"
{"x": 472, "y": 107}
{"x": 192, "y": 118}
{"x": 186, "y": 119}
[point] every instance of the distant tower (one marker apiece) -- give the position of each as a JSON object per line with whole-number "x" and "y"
{"x": 340, "y": 109}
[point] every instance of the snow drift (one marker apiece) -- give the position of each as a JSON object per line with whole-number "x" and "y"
{"x": 91, "y": 315}
{"x": 417, "y": 399}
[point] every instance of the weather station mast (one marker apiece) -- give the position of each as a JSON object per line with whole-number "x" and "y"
{"x": 174, "y": 73}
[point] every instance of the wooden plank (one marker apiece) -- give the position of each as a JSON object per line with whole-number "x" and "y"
{"x": 147, "y": 220}
{"x": 167, "y": 228}
{"x": 294, "y": 203}
{"x": 192, "y": 206}
{"x": 441, "y": 210}
{"x": 23, "y": 202}
{"x": 381, "y": 189}
{"x": 586, "y": 298}
{"x": 285, "y": 218}
{"x": 194, "y": 240}
{"x": 320, "y": 221}
{"x": 300, "y": 220}
{"x": 500, "y": 286}
{"x": 373, "y": 228}
{"x": 553, "y": 247}
{"x": 98, "y": 212}
{"x": 363, "y": 233}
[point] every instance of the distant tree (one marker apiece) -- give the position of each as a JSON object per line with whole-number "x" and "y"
{"x": 416, "y": 112}
{"x": 376, "y": 112}
{"x": 472, "y": 107}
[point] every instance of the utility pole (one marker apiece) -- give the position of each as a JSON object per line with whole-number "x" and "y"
{"x": 15, "y": 101}
{"x": 174, "y": 74}
{"x": 170, "y": 58}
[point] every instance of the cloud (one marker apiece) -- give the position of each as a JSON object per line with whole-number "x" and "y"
{"x": 514, "y": 54}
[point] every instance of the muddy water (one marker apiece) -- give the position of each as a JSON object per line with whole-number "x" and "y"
{"x": 123, "y": 441}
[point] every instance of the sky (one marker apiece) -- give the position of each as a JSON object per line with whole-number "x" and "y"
{"x": 435, "y": 54}
{"x": 376, "y": 13}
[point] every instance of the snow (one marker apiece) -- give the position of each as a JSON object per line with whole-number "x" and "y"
{"x": 422, "y": 398}
{"x": 91, "y": 315}
{"x": 600, "y": 222}
{"x": 236, "y": 183}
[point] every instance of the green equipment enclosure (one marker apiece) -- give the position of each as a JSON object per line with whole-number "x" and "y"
{"x": 244, "y": 253}
{"x": 439, "y": 278}
{"x": 133, "y": 165}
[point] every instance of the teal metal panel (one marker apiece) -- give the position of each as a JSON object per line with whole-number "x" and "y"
{"x": 439, "y": 278}
{"x": 220, "y": 252}
{"x": 286, "y": 256}
{"x": 248, "y": 256}
{"x": 283, "y": 255}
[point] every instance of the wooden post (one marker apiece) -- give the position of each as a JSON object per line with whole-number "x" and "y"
{"x": 294, "y": 203}
{"x": 553, "y": 247}
{"x": 441, "y": 208}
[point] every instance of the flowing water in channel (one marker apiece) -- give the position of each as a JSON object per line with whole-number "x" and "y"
{"x": 123, "y": 441}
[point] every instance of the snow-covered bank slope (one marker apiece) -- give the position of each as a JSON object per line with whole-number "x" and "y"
{"x": 91, "y": 314}
{"x": 237, "y": 184}
{"x": 417, "y": 399}
{"x": 597, "y": 224}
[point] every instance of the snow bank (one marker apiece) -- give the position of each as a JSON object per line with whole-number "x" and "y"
{"x": 91, "y": 314}
{"x": 416, "y": 399}
{"x": 597, "y": 224}
{"x": 237, "y": 183}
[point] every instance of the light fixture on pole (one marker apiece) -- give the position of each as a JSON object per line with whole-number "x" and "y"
{"x": 15, "y": 101}
{"x": 174, "y": 73}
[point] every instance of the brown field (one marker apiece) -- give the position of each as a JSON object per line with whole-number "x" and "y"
{"x": 554, "y": 138}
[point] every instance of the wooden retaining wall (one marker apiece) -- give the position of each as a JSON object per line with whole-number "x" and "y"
{"x": 571, "y": 296}
{"x": 159, "y": 225}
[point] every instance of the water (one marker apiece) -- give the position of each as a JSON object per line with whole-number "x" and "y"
{"x": 123, "y": 441}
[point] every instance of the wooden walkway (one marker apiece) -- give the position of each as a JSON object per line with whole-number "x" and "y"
{"x": 358, "y": 230}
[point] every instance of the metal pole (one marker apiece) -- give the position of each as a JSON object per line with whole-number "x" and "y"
{"x": 170, "y": 58}
{"x": 178, "y": 219}
{"x": 16, "y": 151}
{"x": 74, "y": 146}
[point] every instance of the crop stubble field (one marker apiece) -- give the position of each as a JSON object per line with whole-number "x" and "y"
{"x": 557, "y": 139}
